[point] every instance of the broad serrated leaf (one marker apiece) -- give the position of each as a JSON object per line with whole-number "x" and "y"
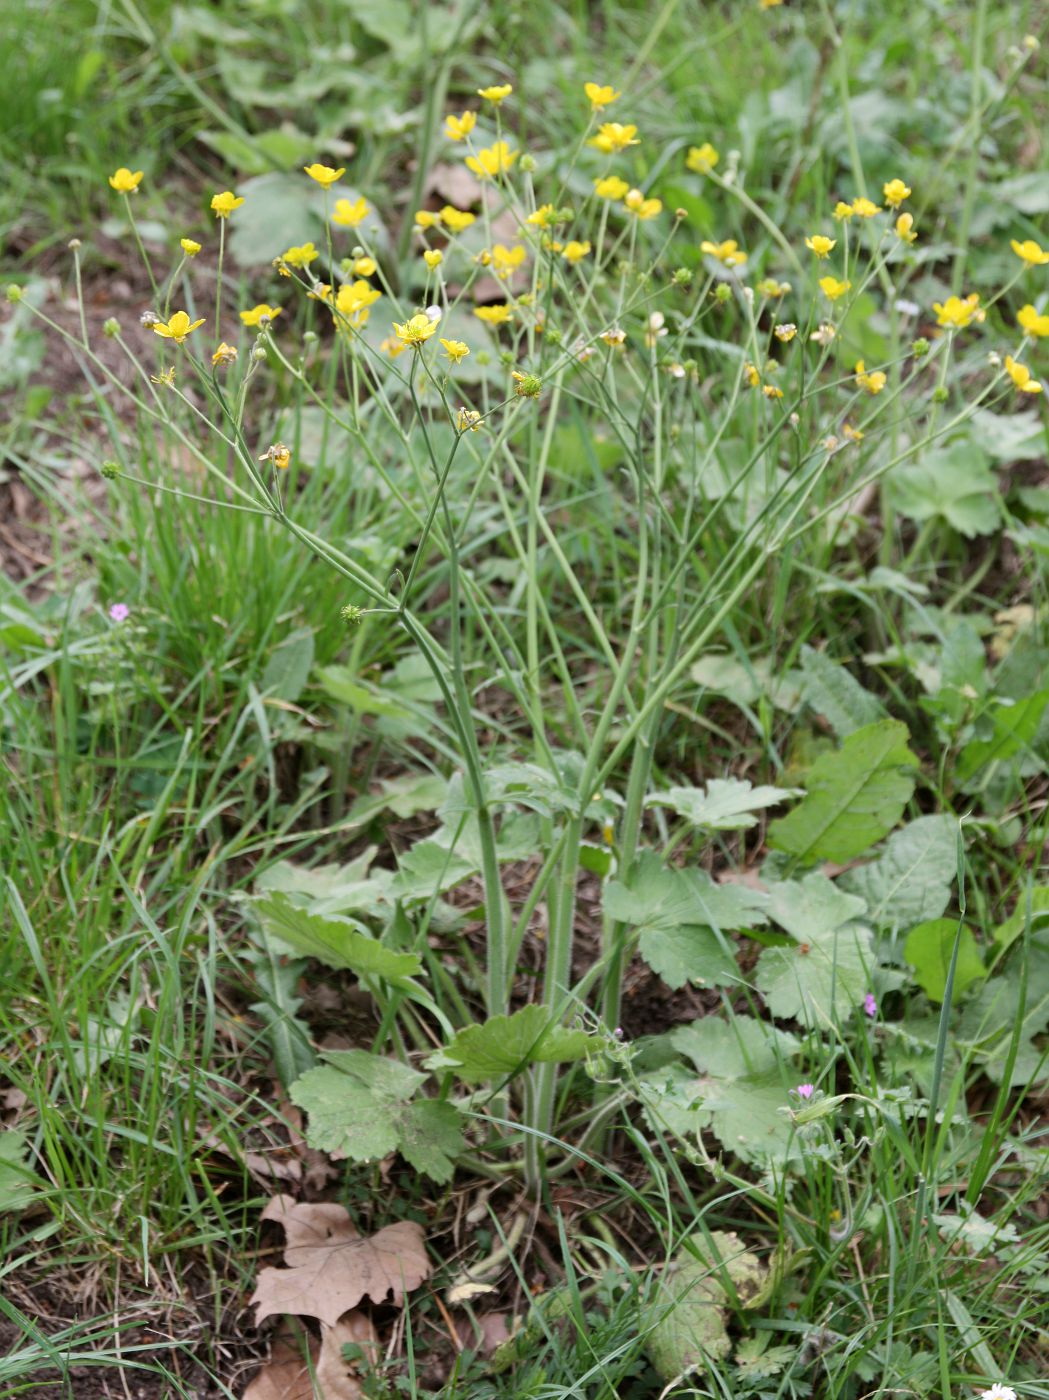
{"x": 432, "y": 1137}
{"x": 689, "y": 953}
{"x": 656, "y": 896}
{"x": 854, "y": 796}
{"x": 686, "y": 1319}
{"x": 453, "y": 853}
{"x": 929, "y": 948}
{"x": 953, "y": 482}
{"x": 825, "y": 974}
{"x": 16, "y": 1179}
{"x": 911, "y": 880}
{"x": 1033, "y": 913}
{"x": 529, "y": 785}
{"x": 332, "y": 940}
{"x": 834, "y": 693}
{"x": 1013, "y": 726}
{"x": 989, "y": 1018}
{"x": 731, "y": 1049}
{"x": 727, "y": 804}
{"x": 504, "y": 1045}
{"x": 346, "y": 1117}
{"x": 414, "y": 792}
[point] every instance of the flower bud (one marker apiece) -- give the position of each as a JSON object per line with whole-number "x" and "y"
{"x": 309, "y": 337}
{"x": 682, "y": 277}
{"x": 111, "y": 327}
{"x": 920, "y": 347}
{"x": 352, "y": 614}
{"x": 723, "y": 292}
{"x": 527, "y": 164}
{"x": 110, "y": 470}
{"x": 73, "y": 244}
{"x": 940, "y": 394}
{"x": 14, "y": 292}
{"x": 259, "y": 354}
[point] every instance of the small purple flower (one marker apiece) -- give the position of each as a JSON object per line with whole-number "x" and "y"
{"x": 805, "y": 1091}
{"x": 618, "y": 1033}
{"x": 120, "y": 612}
{"x": 870, "y": 1005}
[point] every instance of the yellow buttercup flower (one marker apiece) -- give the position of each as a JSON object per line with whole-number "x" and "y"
{"x": 189, "y": 247}
{"x": 785, "y": 332}
{"x": 843, "y": 211}
{"x": 770, "y": 4}
{"x": 224, "y": 355}
{"x": 506, "y": 260}
{"x": 223, "y": 205}
{"x": 177, "y": 328}
{"x": 258, "y": 314}
{"x": 601, "y": 95}
{"x": 458, "y": 128}
{"x": 1021, "y": 377}
{"x": 820, "y": 245}
{"x": 543, "y": 216}
{"x": 354, "y": 299}
{"x": 644, "y": 208}
{"x": 497, "y": 315}
{"x": 392, "y": 346}
{"x": 426, "y": 218}
{"x": 702, "y": 159}
{"x": 905, "y": 229}
{"x": 611, "y": 187}
{"x": 895, "y": 193}
{"x": 456, "y": 350}
{"x": 365, "y": 267}
{"x": 832, "y": 289}
{"x": 751, "y": 374}
{"x": 456, "y": 219}
{"x": 614, "y": 136}
{"x": 864, "y": 208}
{"x": 728, "y": 252}
{"x": 771, "y": 391}
{"x": 324, "y": 174}
{"x": 574, "y": 251}
{"x": 349, "y": 213}
{"x": 1030, "y": 252}
{"x": 958, "y": 312}
{"x": 125, "y": 181}
{"x": 497, "y": 93}
{"x": 873, "y": 381}
{"x": 300, "y": 256}
{"x": 416, "y": 331}
{"x": 433, "y": 257}
{"x": 492, "y": 160}
{"x": 1031, "y": 322}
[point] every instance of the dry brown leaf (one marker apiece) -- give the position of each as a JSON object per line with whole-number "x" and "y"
{"x": 336, "y": 1378}
{"x": 326, "y": 1376}
{"x": 285, "y": 1376}
{"x": 331, "y": 1267}
{"x": 495, "y": 1330}
{"x": 454, "y": 184}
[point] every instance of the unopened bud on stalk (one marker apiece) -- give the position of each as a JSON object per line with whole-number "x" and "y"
{"x": 111, "y": 327}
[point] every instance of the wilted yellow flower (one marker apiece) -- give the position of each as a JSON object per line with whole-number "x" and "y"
{"x": 823, "y": 334}
{"x": 656, "y": 329}
{"x": 497, "y": 93}
{"x": 1030, "y": 252}
{"x": 611, "y": 187}
{"x": 223, "y": 204}
{"x": 832, "y": 289}
{"x": 853, "y": 434}
{"x": 497, "y": 315}
{"x": 278, "y": 454}
{"x": 769, "y": 287}
{"x": 614, "y": 336}
{"x": 365, "y": 267}
{"x": 728, "y": 252}
{"x": 958, "y": 312}
{"x": 600, "y": 95}
{"x": 324, "y": 174}
{"x": 702, "y": 159}
{"x": 864, "y": 208}
{"x": 895, "y": 193}
{"x": 1031, "y": 323}
{"x": 785, "y": 332}
{"x": 260, "y": 313}
{"x": 456, "y": 219}
{"x": 467, "y": 420}
{"x": 354, "y": 299}
{"x": 125, "y": 181}
{"x": 1021, "y": 376}
{"x": 224, "y": 355}
{"x": 350, "y": 212}
{"x": 177, "y": 328}
{"x": 843, "y": 211}
{"x": 770, "y": 4}
{"x": 492, "y": 160}
{"x": 456, "y": 350}
{"x": 392, "y": 346}
{"x": 458, "y": 128}
{"x": 507, "y": 260}
{"x": 644, "y": 208}
{"x": 820, "y": 245}
{"x": 527, "y": 386}
{"x": 751, "y": 374}
{"x": 874, "y": 381}
{"x": 189, "y": 247}
{"x": 771, "y": 391}
{"x": 415, "y": 331}
{"x": 574, "y": 251}
{"x": 300, "y": 256}
{"x": 614, "y": 136}
{"x": 433, "y": 257}
{"x": 165, "y": 377}
{"x": 905, "y": 229}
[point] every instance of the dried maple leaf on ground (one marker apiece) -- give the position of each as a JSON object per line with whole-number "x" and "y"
{"x": 331, "y": 1267}
{"x": 288, "y": 1375}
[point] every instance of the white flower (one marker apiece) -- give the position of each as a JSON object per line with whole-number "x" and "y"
{"x": 998, "y": 1392}
{"x": 434, "y": 312}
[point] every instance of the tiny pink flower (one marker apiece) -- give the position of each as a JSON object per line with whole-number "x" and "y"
{"x": 805, "y": 1091}
{"x": 120, "y": 612}
{"x": 870, "y": 1005}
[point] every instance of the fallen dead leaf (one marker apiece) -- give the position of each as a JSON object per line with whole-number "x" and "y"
{"x": 288, "y": 1375}
{"x": 331, "y": 1267}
